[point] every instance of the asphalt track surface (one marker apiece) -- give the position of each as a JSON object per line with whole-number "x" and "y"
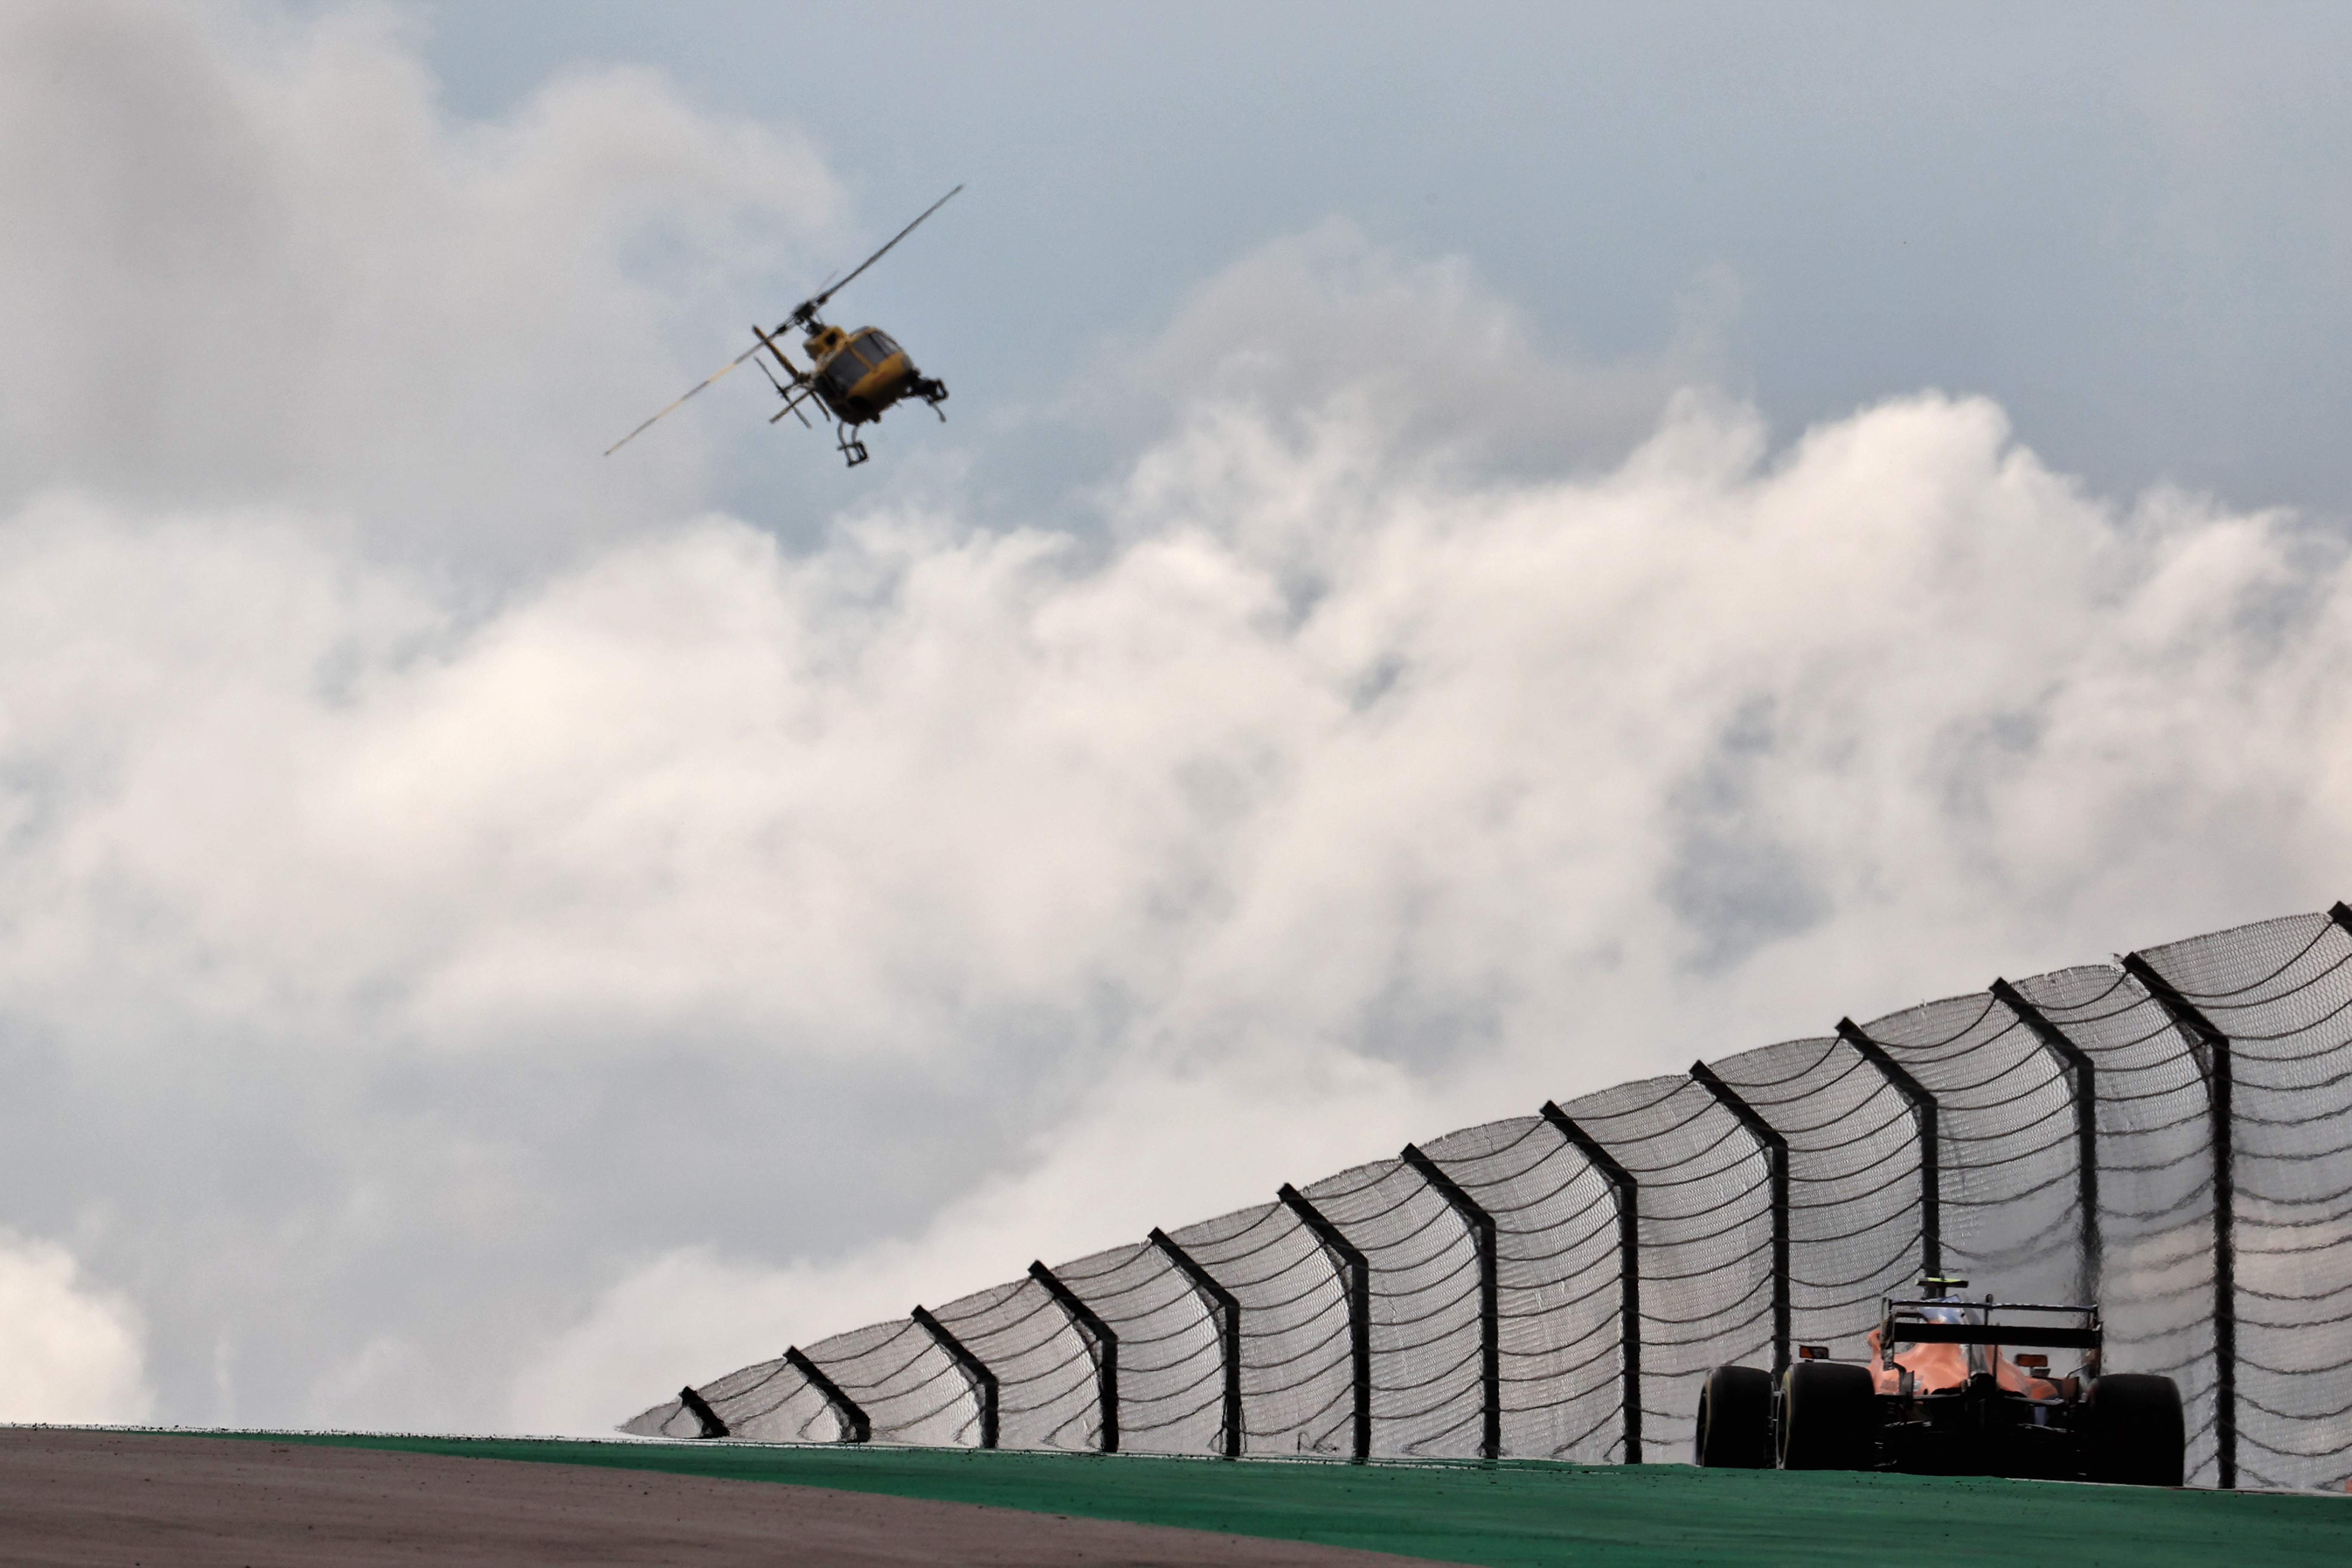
{"x": 155, "y": 1502}
{"x": 69, "y": 1497}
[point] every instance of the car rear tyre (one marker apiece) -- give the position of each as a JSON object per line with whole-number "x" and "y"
{"x": 2137, "y": 1436}
{"x": 1828, "y": 1417}
{"x": 1735, "y": 1419}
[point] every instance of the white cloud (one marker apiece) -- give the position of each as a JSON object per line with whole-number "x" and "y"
{"x": 250, "y": 259}
{"x": 68, "y": 1352}
{"x": 1104, "y": 1176}
{"x": 1324, "y": 322}
{"x": 1544, "y": 785}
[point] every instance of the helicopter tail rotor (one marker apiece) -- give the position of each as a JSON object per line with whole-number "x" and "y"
{"x": 799, "y": 377}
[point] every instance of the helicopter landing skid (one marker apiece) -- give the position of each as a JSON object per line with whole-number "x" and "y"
{"x": 853, "y": 450}
{"x": 933, "y": 392}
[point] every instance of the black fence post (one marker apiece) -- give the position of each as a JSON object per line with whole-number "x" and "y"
{"x": 1629, "y": 1266}
{"x": 1359, "y": 1308}
{"x": 1481, "y": 1225}
{"x": 1228, "y": 1309}
{"x": 1776, "y": 1160}
{"x": 983, "y": 1381}
{"x": 1101, "y": 1343}
{"x": 1923, "y": 1115}
{"x": 705, "y": 1416}
{"x": 854, "y": 1427}
{"x": 2218, "y": 1078}
{"x": 2086, "y": 1130}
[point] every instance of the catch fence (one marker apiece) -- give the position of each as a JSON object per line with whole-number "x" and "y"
{"x": 2169, "y": 1136}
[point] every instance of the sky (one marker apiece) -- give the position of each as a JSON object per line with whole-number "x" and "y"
{"x": 2126, "y": 223}
{"x": 1472, "y": 556}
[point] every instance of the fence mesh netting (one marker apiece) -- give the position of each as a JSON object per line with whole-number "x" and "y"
{"x": 2170, "y": 1137}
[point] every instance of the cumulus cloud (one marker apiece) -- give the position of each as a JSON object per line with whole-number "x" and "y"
{"x": 1417, "y": 352}
{"x": 447, "y": 1005}
{"x": 1149, "y": 1138}
{"x": 250, "y": 258}
{"x": 68, "y": 1352}
{"x": 1543, "y": 785}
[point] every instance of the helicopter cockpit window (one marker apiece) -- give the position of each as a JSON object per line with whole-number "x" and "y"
{"x": 857, "y": 359}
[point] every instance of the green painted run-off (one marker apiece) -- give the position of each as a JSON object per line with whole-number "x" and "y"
{"x": 1522, "y": 1514}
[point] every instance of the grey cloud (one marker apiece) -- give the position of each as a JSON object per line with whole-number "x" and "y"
{"x": 254, "y": 261}
{"x": 1734, "y": 882}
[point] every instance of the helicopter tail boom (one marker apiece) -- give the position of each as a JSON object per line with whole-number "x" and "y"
{"x": 799, "y": 377}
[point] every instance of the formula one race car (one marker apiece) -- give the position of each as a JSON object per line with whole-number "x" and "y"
{"x": 1937, "y": 1394}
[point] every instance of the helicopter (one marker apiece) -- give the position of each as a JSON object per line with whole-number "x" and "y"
{"x": 853, "y": 377}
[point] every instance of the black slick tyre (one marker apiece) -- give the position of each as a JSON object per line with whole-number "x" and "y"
{"x": 2137, "y": 1437}
{"x": 1735, "y": 1419}
{"x": 1828, "y": 1417}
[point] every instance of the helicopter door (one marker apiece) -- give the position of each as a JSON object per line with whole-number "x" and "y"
{"x": 839, "y": 373}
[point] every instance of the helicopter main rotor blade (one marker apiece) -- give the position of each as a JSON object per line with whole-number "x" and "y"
{"x": 818, "y": 301}
{"x": 641, "y": 429}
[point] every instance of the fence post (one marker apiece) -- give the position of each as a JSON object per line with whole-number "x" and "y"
{"x": 2086, "y": 1129}
{"x": 1102, "y": 1344}
{"x": 1628, "y": 1268}
{"x": 705, "y": 1416}
{"x": 2217, "y": 1065}
{"x": 854, "y": 1427}
{"x": 1359, "y": 1308}
{"x": 1224, "y": 1306}
{"x": 1931, "y": 1162}
{"x": 983, "y": 1381}
{"x": 1490, "y": 1307}
{"x": 1776, "y": 1160}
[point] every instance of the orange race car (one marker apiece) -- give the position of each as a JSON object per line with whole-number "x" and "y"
{"x": 1937, "y": 1393}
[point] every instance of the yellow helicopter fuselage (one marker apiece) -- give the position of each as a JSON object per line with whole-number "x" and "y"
{"x": 857, "y": 374}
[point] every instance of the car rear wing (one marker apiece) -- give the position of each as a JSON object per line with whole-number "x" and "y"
{"x": 1902, "y": 1326}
